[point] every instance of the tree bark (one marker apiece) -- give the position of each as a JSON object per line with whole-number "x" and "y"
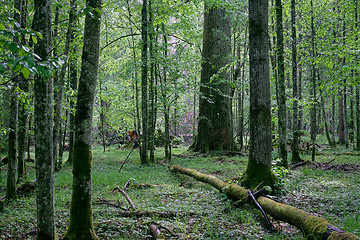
{"x": 215, "y": 131}
{"x": 313, "y": 131}
{"x": 281, "y": 82}
{"x": 12, "y": 146}
{"x": 313, "y": 226}
{"x": 144, "y": 84}
{"x": 259, "y": 164}
{"x": 81, "y": 219}
{"x": 61, "y": 84}
{"x": 43, "y": 127}
{"x": 296, "y": 121}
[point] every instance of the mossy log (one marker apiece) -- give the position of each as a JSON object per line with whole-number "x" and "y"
{"x": 312, "y": 226}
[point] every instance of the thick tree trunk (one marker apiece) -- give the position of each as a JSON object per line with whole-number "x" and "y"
{"x": 313, "y": 226}
{"x": 215, "y": 131}
{"x": 281, "y": 82}
{"x": 81, "y": 219}
{"x": 44, "y": 128}
{"x": 259, "y": 165}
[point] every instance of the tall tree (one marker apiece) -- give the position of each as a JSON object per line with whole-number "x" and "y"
{"x": 296, "y": 121}
{"x": 215, "y": 131}
{"x": 81, "y": 219}
{"x": 259, "y": 164}
{"x": 281, "y": 82}
{"x": 43, "y": 126}
{"x": 12, "y": 145}
{"x": 61, "y": 84}
{"x": 144, "y": 85}
{"x": 313, "y": 131}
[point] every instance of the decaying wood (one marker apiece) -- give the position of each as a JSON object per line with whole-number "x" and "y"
{"x": 126, "y": 196}
{"x": 110, "y": 203}
{"x": 312, "y": 226}
{"x": 167, "y": 214}
{"x": 296, "y": 165}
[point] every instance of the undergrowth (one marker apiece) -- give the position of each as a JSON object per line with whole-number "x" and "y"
{"x": 330, "y": 194}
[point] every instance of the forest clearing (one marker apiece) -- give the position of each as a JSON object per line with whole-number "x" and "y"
{"x": 328, "y": 190}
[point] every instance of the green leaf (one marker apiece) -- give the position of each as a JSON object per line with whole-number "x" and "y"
{"x": 2, "y": 27}
{"x": 34, "y": 39}
{"x": 25, "y": 72}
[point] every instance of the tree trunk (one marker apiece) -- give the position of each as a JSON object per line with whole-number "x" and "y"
{"x": 313, "y": 226}
{"x": 144, "y": 84}
{"x": 61, "y": 84}
{"x": 259, "y": 164}
{"x": 44, "y": 127}
{"x": 81, "y": 219}
{"x": 12, "y": 146}
{"x": 341, "y": 129}
{"x": 313, "y": 87}
{"x": 165, "y": 101}
{"x": 22, "y": 133}
{"x": 215, "y": 131}
{"x": 333, "y": 129}
{"x": 152, "y": 114}
{"x": 296, "y": 121}
{"x": 22, "y": 108}
{"x": 281, "y": 82}
{"x": 73, "y": 85}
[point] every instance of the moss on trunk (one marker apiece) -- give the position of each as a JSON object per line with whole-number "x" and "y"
{"x": 313, "y": 227}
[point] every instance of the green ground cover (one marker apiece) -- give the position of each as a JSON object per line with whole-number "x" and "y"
{"x": 331, "y": 193}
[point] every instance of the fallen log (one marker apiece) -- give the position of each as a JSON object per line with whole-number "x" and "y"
{"x": 167, "y": 214}
{"x": 312, "y": 226}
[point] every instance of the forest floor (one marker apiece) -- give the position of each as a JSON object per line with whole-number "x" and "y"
{"x": 329, "y": 188}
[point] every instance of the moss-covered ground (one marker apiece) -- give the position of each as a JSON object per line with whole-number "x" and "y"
{"x": 331, "y": 192}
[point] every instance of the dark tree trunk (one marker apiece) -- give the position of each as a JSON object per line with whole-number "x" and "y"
{"x": 44, "y": 127}
{"x": 296, "y": 120}
{"x": 215, "y": 131}
{"x": 259, "y": 164}
{"x": 23, "y": 110}
{"x": 12, "y": 146}
{"x": 165, "y": 101}
{"x": 313, "y": 131}
{"x": 281, "y": 82}
{"x": 81, "y": 219}
{"x": 61, "y": 84}
{"x": 152, "y": 111}
{"x": 144, "y": 85}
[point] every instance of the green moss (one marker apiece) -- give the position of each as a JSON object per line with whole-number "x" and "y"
{"x": 257, "y": 173}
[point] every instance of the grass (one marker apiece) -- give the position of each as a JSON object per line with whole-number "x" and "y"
{"x": 328, "y": 193}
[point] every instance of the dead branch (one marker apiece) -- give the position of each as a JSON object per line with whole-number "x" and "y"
{"x": 168, "y": 214}
{"x": 125, "y": 195}
{"x": 108, "y": 202}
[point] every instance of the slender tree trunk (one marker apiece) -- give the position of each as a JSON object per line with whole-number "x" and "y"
{"x": 152, "y": 118}
{"x": 281, "y": 82}
{"x": 357, "y": 97}
{"x": 215, "y": 131}
{"x": 351, "y": 122}
{"x": 44, "y": 128}
{"x": 61, "y": 84}
{"x": 341, "y": 129}
{"x": 73, "y": 85}
{"x": 313, "y": 88}
{"x": 258, "y": 169}
{"x": 296, "y": 120}
{"x": 165, "y": 99}
{"x": 12, "y": 146}
{"x": 144, "y": 84}
{"x": 81, "y": 219}
{"x": 333, "y": 129}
